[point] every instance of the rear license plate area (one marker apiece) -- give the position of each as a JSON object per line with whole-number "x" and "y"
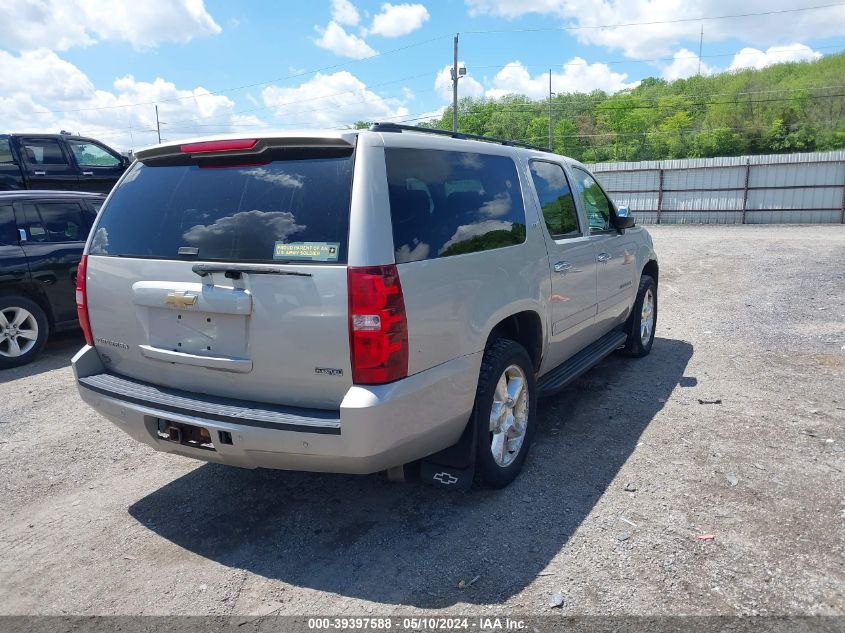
{"x": 185, "y": 434}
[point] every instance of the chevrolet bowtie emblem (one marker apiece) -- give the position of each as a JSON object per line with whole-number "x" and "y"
{"x": 180, "y": 299}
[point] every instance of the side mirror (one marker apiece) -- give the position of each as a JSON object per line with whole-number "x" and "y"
{"x": 624, "y": 218}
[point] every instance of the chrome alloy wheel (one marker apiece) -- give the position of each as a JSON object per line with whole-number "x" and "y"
{"x": 509, "y": 416}
{"x": 18, "y": 332}
{"x": 647, "y": 318}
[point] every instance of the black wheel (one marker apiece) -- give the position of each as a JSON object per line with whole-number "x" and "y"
{"x": 504, "y": 413}
{"x": 643, "y": 319}
{"x": 23, "y": 331}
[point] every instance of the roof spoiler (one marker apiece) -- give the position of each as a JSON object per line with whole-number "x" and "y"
{"x": 234, "y": 148}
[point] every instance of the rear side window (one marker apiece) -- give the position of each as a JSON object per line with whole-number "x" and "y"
{"x": 43, "y": 152}
{"x": 449, "y": 203}
{"x": 556, "y": 201}
{"x": 55, "y": 222}
{"x": 8, "y": 229}
{"x": 6, "y": 157}
{"x": 287, "y": 210}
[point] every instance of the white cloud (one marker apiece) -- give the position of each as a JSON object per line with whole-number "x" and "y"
{"x": 335, "y": 39}
{"x": 344, "y": 12}
{"x": 36, "y": 82}
{"x": 650, "y": 40}
{"x": 754, "y": 58}
{"x": 577, "y": 76}
{"x": 46, "y": 74}
{"x": 337, "y": 99}
{"x": 468, "y": 86}
{"x": 63, "y": 24}
{"x": 685, "y": 64}
{"x": 398, "y": 19}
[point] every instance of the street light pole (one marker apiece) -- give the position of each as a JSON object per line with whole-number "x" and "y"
{"x": 550, "y": 109}
{"x": 455, "y": 88}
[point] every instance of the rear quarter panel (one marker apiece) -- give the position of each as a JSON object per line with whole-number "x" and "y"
{"x": 453, "y": 303}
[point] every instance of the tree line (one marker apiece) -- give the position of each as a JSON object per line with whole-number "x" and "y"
{"x": 791, "y": 107}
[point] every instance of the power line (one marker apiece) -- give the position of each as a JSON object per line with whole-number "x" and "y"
{"x": 655, "y": 22}
{"x": 768, "y": 51}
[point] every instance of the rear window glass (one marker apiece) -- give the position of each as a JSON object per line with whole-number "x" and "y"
{"x": 6, "y": 157}
{"x": 8, "y": 229}
{"x": 55, "y": 222}
{"x": 43, "y": 152}
{"x": 287, "y": 210}
{"x": 449, "y": 203}
{"x": 556, "y": 199}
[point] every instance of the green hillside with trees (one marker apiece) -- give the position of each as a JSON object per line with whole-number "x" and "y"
{"x": 795, "y": 107}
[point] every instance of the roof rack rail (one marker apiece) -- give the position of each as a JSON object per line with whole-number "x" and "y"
{"x": 396, "y": 127}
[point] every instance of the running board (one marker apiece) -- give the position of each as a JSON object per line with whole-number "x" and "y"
{"x": 563, "y": 374}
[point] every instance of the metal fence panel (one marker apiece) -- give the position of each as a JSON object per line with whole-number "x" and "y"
{"x": 802, "y": 188}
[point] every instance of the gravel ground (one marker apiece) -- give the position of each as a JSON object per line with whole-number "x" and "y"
{"x": 629, "y": 467}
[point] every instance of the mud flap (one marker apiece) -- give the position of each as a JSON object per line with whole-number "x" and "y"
{"x": 453, "y": 467}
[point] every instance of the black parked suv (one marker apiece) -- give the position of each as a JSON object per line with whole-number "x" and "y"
{"x": 58, "y": 161}
{"x": 42, "y": 235}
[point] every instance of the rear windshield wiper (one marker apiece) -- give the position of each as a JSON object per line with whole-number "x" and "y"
{"x": 234, "y": 271}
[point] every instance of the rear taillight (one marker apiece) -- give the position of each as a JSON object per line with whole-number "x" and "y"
{"x": 378, "y": 329}
{"x": 82, "y": 299}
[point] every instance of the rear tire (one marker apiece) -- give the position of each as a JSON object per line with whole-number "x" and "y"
{"x": 23, "y": 331}
{"x": 504, "y": 413}
{"x": 643, "y": 319}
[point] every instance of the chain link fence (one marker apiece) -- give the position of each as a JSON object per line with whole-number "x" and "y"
{"x": 767, "y": 189}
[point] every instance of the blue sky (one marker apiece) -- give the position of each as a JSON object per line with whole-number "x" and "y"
{"x": 98, "y": 66}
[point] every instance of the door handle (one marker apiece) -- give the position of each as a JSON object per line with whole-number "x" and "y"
{"x": 563, "y": 267}
{"x": 87, "y": 173}
{"x": 603, "y": 258}
{"x": 40, "y": 173}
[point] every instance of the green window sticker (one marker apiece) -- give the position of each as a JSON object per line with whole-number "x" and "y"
{"x": 307, "y": 251}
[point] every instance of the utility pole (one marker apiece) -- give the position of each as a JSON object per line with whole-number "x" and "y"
{"x": 550, "y": 109}
{"x": 700, "y": 44}
{"x": 455, "y": 88}
{"x": 158, "y": 126}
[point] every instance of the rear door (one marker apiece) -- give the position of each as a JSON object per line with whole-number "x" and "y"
{"x": 47, "y": 164}
{"x": 11, "y": 177}
{"x": 227, "y": 276}
{"x": 56, "y": 231}
{"x": 99, "y": 166}
{"x": 13, "y": 268}
{"x": 572, "y": 262}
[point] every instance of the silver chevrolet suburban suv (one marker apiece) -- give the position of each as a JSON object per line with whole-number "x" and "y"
{"x": 355, "y": 301}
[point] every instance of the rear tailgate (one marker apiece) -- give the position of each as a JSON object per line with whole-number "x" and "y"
{"x": 225, "y": 274}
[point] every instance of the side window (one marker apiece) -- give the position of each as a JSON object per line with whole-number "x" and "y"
{"x": 92, "y": 155}
{"x": 43, "y": 152}
{"x": 595, "y": 202}
{"x": 55, "y": 222}
{"x": 8, "y": 228}
{"x": 445, "y": 203}
{"x": 556, "y": 199}
{"x": 6, "y": 157}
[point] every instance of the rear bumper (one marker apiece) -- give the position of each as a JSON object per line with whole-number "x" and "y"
{"x": 377, "y": 427}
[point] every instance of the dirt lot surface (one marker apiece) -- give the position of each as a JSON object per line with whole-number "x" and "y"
{"x": 734, "y": 427}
